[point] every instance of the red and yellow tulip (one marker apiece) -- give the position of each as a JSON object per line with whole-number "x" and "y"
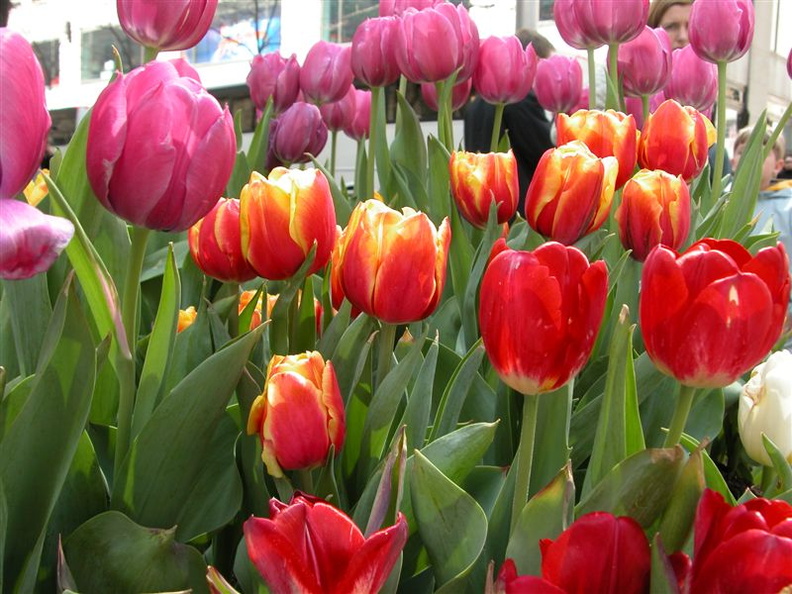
{"x": 479, "y": 179}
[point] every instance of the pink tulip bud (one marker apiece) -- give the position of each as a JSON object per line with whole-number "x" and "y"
{"x": 272, "y": 75}
{"x": 693, "y": 81}
{"x": 558, "y": 83}
{"x": 789, "y": 64}
{"x": 568, "y": 27}
{"x": 24, "y": 119}
{"x": 721, "y": 30}
{"x": 359, "y": 126}
{"x": 374, "y": 52}
{"x": 505, "y": 71}
{"x": 467, "y": 33}
{"x": 397, "y": 7}
{"x": 645, "y": 62}
{"x": 459, "y": 94}
{"x": 327, "y": 72}
{"x": 611, "y": 21}
{"x": 338, "y": 114}
{"x": 298, "y": 132}
{"x": 166, "y": 26}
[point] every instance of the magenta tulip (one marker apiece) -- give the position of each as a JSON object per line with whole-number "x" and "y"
{"x": 645, "y": 62}
{"x": 732, "y": 36}
{"x": 611, "y": 21}
{"x": 326, "y": 74}
{"x": 24, "y": 119}
{"x": 167, "y": 26}
{"x": 184, "y": 68}
{"x": 397, "y": 7}
{"x": 693, "y": 81}
{"x": 789, "y": 64}
{"x": 505, "y": 71}
{"x": 360, "y": 124}
{"x": 272, "y": 75}
{"x": 374, "y": 52}
{"x": 298, "y": 133}
{"x": 559, "y": 83}
{"x": 338, "y": 114}
{"x": 468, "y": 36}
{"x": 459, "y": 94}
{"x": 570, "y": 30}
{"x": 160, "y": 148}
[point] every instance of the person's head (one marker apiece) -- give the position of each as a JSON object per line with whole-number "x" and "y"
{"x": 542, "y": 46}
{"x": 772, "y": 164}
{"x": 673, "y": 16}
{"x": 788, "y": 162}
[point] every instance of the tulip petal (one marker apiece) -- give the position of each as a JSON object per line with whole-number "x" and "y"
{"x": 333, "y": 539}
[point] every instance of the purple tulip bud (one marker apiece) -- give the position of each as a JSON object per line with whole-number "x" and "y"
{"x": 272, "y": 75}
{"x": 327, "y": 72}
{"x": 721, "y": 30}
{"x": 459, "y": 94}
{"x": 645, "y": 62}
{"x": 397, "y": 7}
{"x": 30, "y": 240}
{"x": 160, "y": 148}
{"x": 693, "y": 81}
{"x": 24, "y": 119}
{"x": 558, "y": 83}
{"x": 338, "y": 114}
{"x": 505, "y": 71}
{"x": 166, "y": 26}
{"x": 568, "y": 27}
{"x": 611, "y": 21}
{"x": 359, "y": 126}
{"x": 374, "y": 52}
{"x": 298, "y": 132}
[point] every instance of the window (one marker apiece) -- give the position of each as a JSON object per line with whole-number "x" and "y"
{"x": 48, "y": 54}
{"x": 545, "y": 10}
{"x": 97, "y": 52}
{"x": 342, "y": 17}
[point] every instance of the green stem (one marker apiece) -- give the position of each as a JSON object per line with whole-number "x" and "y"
{"x": 681, "y": 412}
{"x": 403, "y": 93}
{"x": 333, "y": 147}
{"x": 720, "y": 126}
{"x": 645, "y": 105}
{"x": 441, "y": 129}
{"x": 592, "y": 77}
{"x": 376, "y": 94}
{"x": 387, "y": 337}
{"x": 304, "y": 480}
{"x": 524, "y": 458}
{"x": 150, "y": 54}
{"x": 613, "y": 73}
{"x": 496, "y": 127}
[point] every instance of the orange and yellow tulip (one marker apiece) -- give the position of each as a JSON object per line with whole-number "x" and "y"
{"x": 479, "y": 179}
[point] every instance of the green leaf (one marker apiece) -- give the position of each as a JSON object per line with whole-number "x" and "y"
{"x": 257, "y": 152}
{"x": 380, "y": 151}
{"x": 342, "y": 206}
{"x": 712, "y": 476}
{"x": 387, "y": 501}
{"x": 663, "y": 579}
{"x": 332, "y": 333}
{"x": 677, "y": 522}
{"x": 241, "y": 172}
{"x": 408, "y": 148}
{"x": 419, "y": 402}
{"x": 30, "y": 310}
{"x": 781, "y": 466}
{"x": 456, "y": 391}
{"x": 551, "y": 448}
{"x": 439, "y": 183}
{"x": 350, "y": 355}
{"x": 255, "y": 493}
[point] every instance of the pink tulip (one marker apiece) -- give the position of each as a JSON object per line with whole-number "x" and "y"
{"x": 272, "y": 75}
{"x": 326, "y": 74}
{"x": 459, "y": 94}
{"x": 721, "y": 30}
{"x": 397, "y": 7}
{"x": 789, "y": 64}
{"x": 30, "y": 240}
{"x": 693, "y": 81}
{"x": 374, "y": 52}
{"x": 184, "y": 68}
{"x": 24, "y": 119}
{"x": 468, "y": 36}
{"x": 166, "y": 26}
{"x": 505, "y": 70}
{"x": 338, "y": 114}
{"x": 611, "y": 21}
{"x": 645, "y": 62}
{"x": 160, "y": 148}
{"x": 360, "y": 124}
{"x": 559, "y": 83}
{"x": 567, "y": 23}
{"x": 298, "y": 132}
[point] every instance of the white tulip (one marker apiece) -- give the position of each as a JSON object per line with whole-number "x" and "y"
{"x": 766, "y": 407}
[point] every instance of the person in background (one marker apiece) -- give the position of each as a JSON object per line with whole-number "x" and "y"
{"x": 525, "y": 122}
{"x": 786, "y": 172}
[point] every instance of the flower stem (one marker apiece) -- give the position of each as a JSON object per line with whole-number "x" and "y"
{"x": 385, "y": 352}
{"x": 150, "y": 54}
{"x": 681, "y": 412}
{"x": 645, "y": 106}
{"x": 333, "y": 147}
{"x": 524, "y": 457}
{"x": 376, "y": 94}
{"x": 304, "y": 480}
{"x": 496, "y": 127}
{"x": 720, "y": 127}
{"x": 613, "y": 72}
{"x": 592, "y": 77}
{"x": 441, "y": 129}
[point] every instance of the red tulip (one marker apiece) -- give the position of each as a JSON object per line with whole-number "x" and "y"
{"x": 645, "y": 62}
{"x": 311, "y": 547}
{"x": 505, "y": 71}
{"x": 166, "y": 26}
{"x": 373, "y": 57}
{"x": 359, "y": 126}
{"x": 611, "y": 21}
{"x": 733, "y": 35}
{"x": 326, "y": 74}
{"x": 272, "y": 75}
{"x": 459, "y": 94}
{"x": 558, "y": 83}
{"x": 216, "y": 244}
{"x": 298, "y": 133}
{"x": 712, "y": 313}
{"x": 479, "y": 179}
{"x": 540, "y": 313}
{"x": 693, "y": 82}
{"x": 338, "y": 114}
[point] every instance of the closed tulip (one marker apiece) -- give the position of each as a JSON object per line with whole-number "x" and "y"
{"x": 460, "y": 94}
{"x": 505, "y": 71}
{"x": 160, "y": 148}
{"x": 569, "y": 28}
{"x": 558, "y": 83}
{"x": 391, "y": 264}
{"x": 789, "y": 64}
{"x": 282, "y": 216}
{"x": 655, "y": 210}
{"x": 479, "y": 179}
{"x": 693, "y": 82}
{"x": 373, "y": 59}
{"x": 186, "y": 318}
{"x": 733, "y": 35}
{"x": 299, "y": 415}
{"x": 216, "y": 244}
{"x": 611, "y": 21}
{"x": 257, "y": 314}
{"x": 312, "y": 547}
{"x": 276, "y": 77}
{"x": 712, "y": 313}
{"x": 606, "y": 134}
{"x": 166, "y": 26}
{"x": 298, "y": 133}
{"x": 676, "y": 139}
{"x": 24, "y": 119}
{"x": 326, "y": 73}
{"x": 338, "y": 114}
{"x": 571, "y": 192}
{"x": 359, "y": 126}
{"x": 540, "y": 313}
{"x": 766, "y": 408}
{"x": 645, "y": 62}
{"x": 398, "y": 7}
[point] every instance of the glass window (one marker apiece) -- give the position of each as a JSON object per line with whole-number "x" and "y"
{"x": 343, "y": 16}
{"x": 545, "y": 10}
{"x": 48, "y": 54}
{"x": 97, "y": 52}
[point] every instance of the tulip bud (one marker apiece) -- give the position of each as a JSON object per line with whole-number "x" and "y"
{"x": 216, "y": 244}
{"x": 693, "y": 82}
{"x": 766, "y": 408}
{"x": 272, "y": 75}
{"x": 571, "y": 32}
{"x": 373, "y": 57}
{"x": 733, "y": 35}
{"x": 160, "y": 148}
{"x": 298, "y": 133}
{"x": 611, "y": 21}
{"x": 339, "y": 114}
{"x": 459, "y": 94}
{"x": 24, "y": 119}
{"x": 360, "y": 125}
{"x": 571, "y": 192}
{"x": 505, "y": 71}
{"x": 398, "y": 7}
{"x": 37, "y": 189}
{"x": 326, "y": 74}
{"x": 282, "y": 216}
{"x": 655, "y": 209}
{"x": 478, "y": 180}
{"x": 789, "y": 64}
{"x": 390, "y": 264}
{"x": 559, "y": 83}
{"x": 645, "y": 62}
{"x": 166, "y": 26}
{"x": 712, "y": 313}
{"x": 676, "y": 139}
{"x": 186, "y": 318}
{"x": 299, "y": 415}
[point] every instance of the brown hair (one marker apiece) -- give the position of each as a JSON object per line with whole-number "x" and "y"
{"x": 744, "y": 134}
{"x": 659, "y": 8}
{"x": 541, "y": 45}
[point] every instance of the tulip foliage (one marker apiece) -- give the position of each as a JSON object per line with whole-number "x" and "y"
{"x": 243, "y": 373}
